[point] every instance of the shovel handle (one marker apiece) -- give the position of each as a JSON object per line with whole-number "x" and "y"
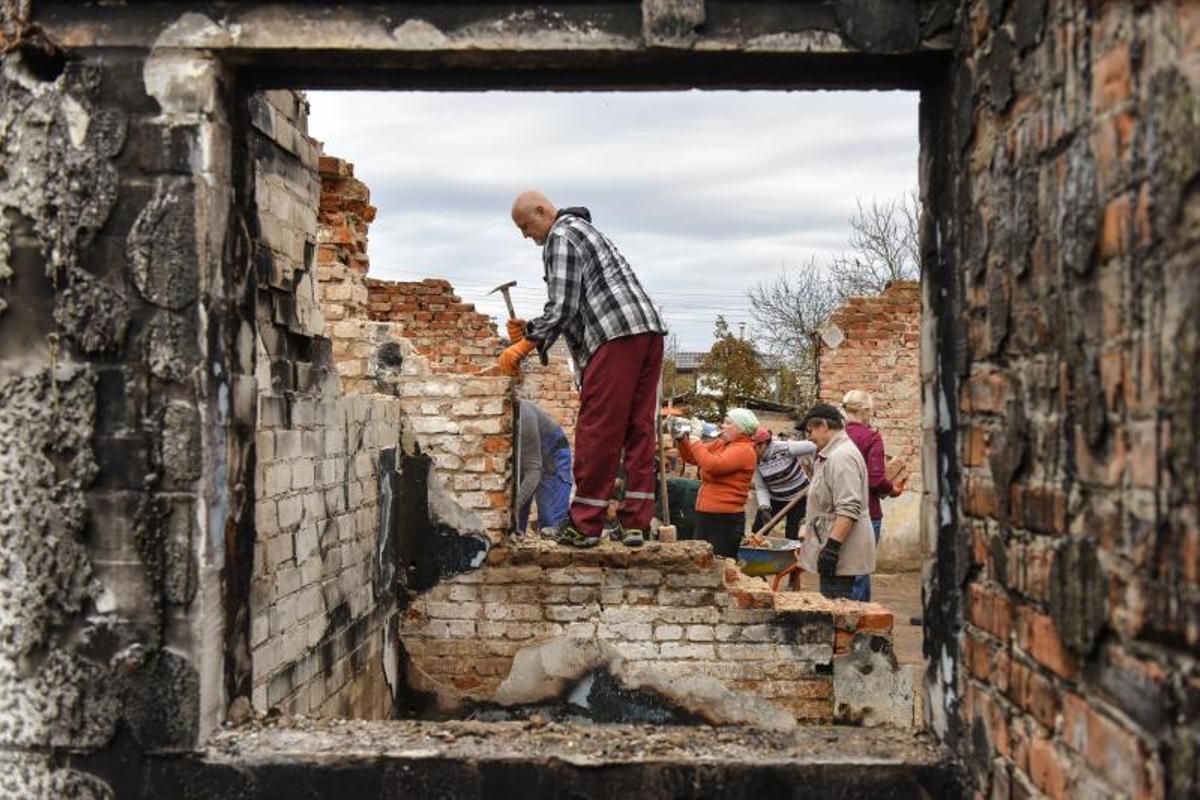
{"x": 783, "y": 512}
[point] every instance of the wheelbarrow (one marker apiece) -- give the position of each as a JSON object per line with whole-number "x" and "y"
{"x": 771, "y": 555}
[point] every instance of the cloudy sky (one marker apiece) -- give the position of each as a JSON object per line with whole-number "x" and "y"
{"x": 706, "y": 193}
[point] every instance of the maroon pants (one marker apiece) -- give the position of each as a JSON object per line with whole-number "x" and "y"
{"x": 617, "y": 411}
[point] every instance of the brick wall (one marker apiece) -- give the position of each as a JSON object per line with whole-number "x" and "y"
{"x": 455, "y": 338}
{"x": 419, "y": 341}
{"x": 350, "y": 370}
{"x": 673, "y": 608}
{"x": 872, "y": 343}
{"x": 319, "y": 614}
{"x": 451, "y": 334}
{"x": 1077, "y": 238}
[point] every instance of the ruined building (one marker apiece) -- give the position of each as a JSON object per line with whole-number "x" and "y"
{"x": 237, "y": 472}
{"x": 872, "y": 343}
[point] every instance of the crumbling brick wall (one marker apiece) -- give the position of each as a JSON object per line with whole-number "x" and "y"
{"x": 457, "y": 339}
{"x": 1076, "y": 234}
{"x": 872, "y": 343}
{"x": 676, "y": 609}
{"x": 418, "y": 342}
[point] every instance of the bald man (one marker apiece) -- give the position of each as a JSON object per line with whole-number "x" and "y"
{"x": 615, "y": 335}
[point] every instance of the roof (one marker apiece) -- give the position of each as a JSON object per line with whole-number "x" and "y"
{"x": 694, "y": 359}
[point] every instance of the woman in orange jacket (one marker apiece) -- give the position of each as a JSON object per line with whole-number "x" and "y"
{"x": 727, "y": 467}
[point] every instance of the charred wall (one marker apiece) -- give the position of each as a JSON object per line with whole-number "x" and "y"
{"x": 116, "y": 478}
{"x": 1062, "y": 289}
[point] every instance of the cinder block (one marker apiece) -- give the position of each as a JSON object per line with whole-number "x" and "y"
{"x": 290, "y": 511}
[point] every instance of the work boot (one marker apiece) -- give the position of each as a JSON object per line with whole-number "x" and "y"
{"x": 570, "y": 536}
{"x": 633, "y": 537}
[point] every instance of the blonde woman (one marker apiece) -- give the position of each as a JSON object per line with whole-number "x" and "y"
{"x": 858, "y": 407}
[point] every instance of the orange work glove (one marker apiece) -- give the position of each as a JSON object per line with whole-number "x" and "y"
{"x": 516, "y": 330}
{"x": 510, "y": 359}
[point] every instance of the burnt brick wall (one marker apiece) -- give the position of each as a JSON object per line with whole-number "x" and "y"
{"x": 676, "y": 609}
{"x": 1075, "y": 153}
{"x": 319, "y": 612}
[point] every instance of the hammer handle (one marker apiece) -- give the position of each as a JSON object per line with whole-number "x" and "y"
{"x": 512, "y": 312}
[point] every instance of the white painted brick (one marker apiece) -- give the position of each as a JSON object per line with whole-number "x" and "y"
{"x": 483, "y": 426}
{"x": 743, "y": 652}
{"x": 488, "y": 629}
{"x": 700, "y": 633}
{"x": 258, "y": 697}
{"x": 639, "y": 651}
{"x": 611, "y": 615}
{"x": 461, "y": 628}
{"x": 265, "y": 520}
{"x": 302, "y": 474}
{"x": 728, "y": 633}
{"x": 756, "y": 633}
{"x": 260, "y": 628}
{"x": 287, "y": 444}
{"x": 277, "y": 480}
{"x": 443, "y": 610}
{"x": 667, "y": 633}
{"x": 572, "y": 613}
{"x": 677, "y": 650}
{"x": 279, "y": 548}
{"x": 576, "y": 575}
{"x": 512, "y": 611}
{"x": 704, "y": 580}
{"x": 310, "y": 602}
{"x": 314, "y": 632}
{"x": 264, "y": 442}
{"x": 290, "y": 511}
{"x": 633, "y": 631}
{"x": 305, "y": 542}
{"x": 287, "y": 579}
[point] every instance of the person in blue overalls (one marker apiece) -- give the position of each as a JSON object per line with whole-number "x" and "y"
{"x": 543, "y": 469}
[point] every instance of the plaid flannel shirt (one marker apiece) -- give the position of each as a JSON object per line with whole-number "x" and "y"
{"x": 594, "y": 295}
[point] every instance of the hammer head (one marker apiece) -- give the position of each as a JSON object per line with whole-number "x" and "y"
{"x": 503, "y": 287}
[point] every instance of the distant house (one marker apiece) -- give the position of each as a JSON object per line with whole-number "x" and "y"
{"x": 689, "y": 365}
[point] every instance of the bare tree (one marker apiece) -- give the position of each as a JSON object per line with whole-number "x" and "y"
{"x": 787, "y": 311}
{"x": 883, "y": 246}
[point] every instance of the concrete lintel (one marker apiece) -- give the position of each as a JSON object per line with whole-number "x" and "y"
{"x": 255, "y": 27}
{"x": 473, "y": 759}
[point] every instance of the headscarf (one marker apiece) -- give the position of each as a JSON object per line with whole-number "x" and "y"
{"x": 744, "y": 420}
{"x": 761, "y": 436}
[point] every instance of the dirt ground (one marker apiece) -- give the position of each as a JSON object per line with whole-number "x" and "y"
{"x": 901, "y": 592}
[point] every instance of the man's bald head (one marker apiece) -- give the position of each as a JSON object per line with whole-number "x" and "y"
{"x": 534, "y": 214}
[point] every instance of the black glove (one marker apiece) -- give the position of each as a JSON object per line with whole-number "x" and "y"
{"x": 827, "y": 559}
{"x": 762, "y": 517}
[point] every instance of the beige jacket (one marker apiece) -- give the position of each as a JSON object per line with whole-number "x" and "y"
{"x": 839, "y": 489}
